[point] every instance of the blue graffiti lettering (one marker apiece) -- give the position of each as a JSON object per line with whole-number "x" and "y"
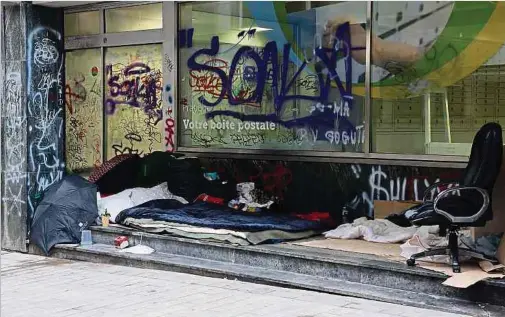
{"x": 267, "y": 68}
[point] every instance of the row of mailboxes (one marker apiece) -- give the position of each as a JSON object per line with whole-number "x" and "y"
{"x": 458, "y": 124}
{"x": 437, "y": 109}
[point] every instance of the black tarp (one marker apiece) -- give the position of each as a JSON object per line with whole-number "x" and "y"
{"x": 66, "y": 208}
{"x": 117, "y": 174}
{"x": 183, "y": 175}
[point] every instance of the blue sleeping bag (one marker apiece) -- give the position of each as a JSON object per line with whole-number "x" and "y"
{"x": 208, "y": 215}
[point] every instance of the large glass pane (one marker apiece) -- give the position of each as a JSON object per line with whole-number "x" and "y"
{"x": 133, "y": 99}
{"x": 135, "y": 18}
{"x": 437, "y": 74}
{"x": 83, "y": 107}
{"x": 82, "y": 23}
{"x": 269, "y": 75}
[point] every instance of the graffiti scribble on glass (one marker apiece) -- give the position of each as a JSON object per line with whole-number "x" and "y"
{"x": 137, "y": 86}
{"x": 220, "y": 86}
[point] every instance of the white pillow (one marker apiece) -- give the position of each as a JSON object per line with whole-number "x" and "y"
{"x": 141, "y": 195}
{"x": 115, "y": 204}
{"x": 129, "y": 198}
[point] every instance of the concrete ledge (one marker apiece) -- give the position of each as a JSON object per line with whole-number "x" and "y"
{"x": 107, "y": 254}
{"x": 346, "y": 266}
{"x": 336, "y": 272}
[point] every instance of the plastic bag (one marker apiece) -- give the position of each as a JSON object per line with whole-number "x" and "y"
{"x": 138, "y": 249}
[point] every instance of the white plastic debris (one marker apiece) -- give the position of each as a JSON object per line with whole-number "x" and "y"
{"x": 139, "y": 249}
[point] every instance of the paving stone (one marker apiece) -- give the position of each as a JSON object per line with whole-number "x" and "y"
{"x": 59, "y": 288}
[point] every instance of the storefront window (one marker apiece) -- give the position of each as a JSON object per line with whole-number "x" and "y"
{"x": 438, "y": 75}
{"x": 83, "y": 107}
{"x": 113, "y": 91}
{"x": 82, "y": 23}
{"x": 133, "y": 104}
{"x": 290, "y": 76}
{"x": 269, "y": 75}
{"x": 135, "y": 18}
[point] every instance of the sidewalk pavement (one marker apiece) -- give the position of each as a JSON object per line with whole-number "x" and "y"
{"x": 34, "y": 286}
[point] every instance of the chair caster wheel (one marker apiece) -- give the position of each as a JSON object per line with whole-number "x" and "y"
{"x": 411, "y": 262}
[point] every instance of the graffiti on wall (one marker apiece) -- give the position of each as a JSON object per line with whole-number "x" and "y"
{"x": 83, "y": 106}
{"x": 327, "y": 187}
{"x": 260, "y": 90}
{"x": 281, "y": 82}
{"x": 14, "y": 154}
{"x": 45, "y": 94}
{"x": 134, "y": 101}
{"x": 169, "y": 121}
{"x": 388, "y": 184}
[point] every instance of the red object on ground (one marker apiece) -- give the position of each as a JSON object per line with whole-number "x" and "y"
{"x": 210, "y": 199}
{"x": 121, "y": 242}
{"x": 323, "y": 216}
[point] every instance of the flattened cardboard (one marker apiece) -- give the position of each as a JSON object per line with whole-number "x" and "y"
{"x": 468, "y": 278}
{"x": 387, "y": 250}
{"x": 471, "y": 272}
{"x": 489, "y": 267}
{"x": 383, "y": 208}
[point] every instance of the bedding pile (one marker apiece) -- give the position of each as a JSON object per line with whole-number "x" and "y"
{"x": 171, "y": 195}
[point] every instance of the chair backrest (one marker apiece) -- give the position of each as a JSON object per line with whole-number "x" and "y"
{"x": 485, "y": 159}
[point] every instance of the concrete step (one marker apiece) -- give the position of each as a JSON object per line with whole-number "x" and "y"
{"x": 331, "y": 264}
{"x": 371, "y": 276}
{"x": 107, "y": 254}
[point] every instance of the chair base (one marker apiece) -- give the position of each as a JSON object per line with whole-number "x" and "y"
{"x": 451, "y": 250}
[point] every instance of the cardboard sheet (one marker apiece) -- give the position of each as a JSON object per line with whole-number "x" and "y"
{"x": 384, "y": 208}
{"x": 488, "y": 267}
{"x": 388, "y": 250}
{"x": 471, "y": 272}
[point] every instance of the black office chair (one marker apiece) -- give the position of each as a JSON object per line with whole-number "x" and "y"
{"x": 468, "y": 204}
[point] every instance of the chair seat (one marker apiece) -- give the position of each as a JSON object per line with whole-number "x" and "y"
{"x": 458, "y": 206}
{"x": 425, "y": 215}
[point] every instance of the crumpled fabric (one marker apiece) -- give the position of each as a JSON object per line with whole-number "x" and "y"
{"x": 377, "y": 230}
{"x": 485, "y": 244}
{"x": 424, "y": 240}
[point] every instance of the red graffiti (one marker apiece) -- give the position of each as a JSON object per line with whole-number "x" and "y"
{"x": 78, "y": 129}
{"x": 71, "y": 97}
{"x": 169, "y": 137}
{"x": 276, "y": 181}
{"x": 208, "y": 82}
{"x": 97, "y": 150}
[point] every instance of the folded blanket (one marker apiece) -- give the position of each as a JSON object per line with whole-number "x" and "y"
{"x": 221, "y": 235}
{"x": 202, "y": 214}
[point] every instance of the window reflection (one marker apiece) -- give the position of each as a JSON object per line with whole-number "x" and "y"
{"x": 135, "y": 18}
{"x": 268, "y": 75}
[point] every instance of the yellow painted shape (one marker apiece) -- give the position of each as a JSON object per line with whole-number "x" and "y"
{"x": 484, "y": 46}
